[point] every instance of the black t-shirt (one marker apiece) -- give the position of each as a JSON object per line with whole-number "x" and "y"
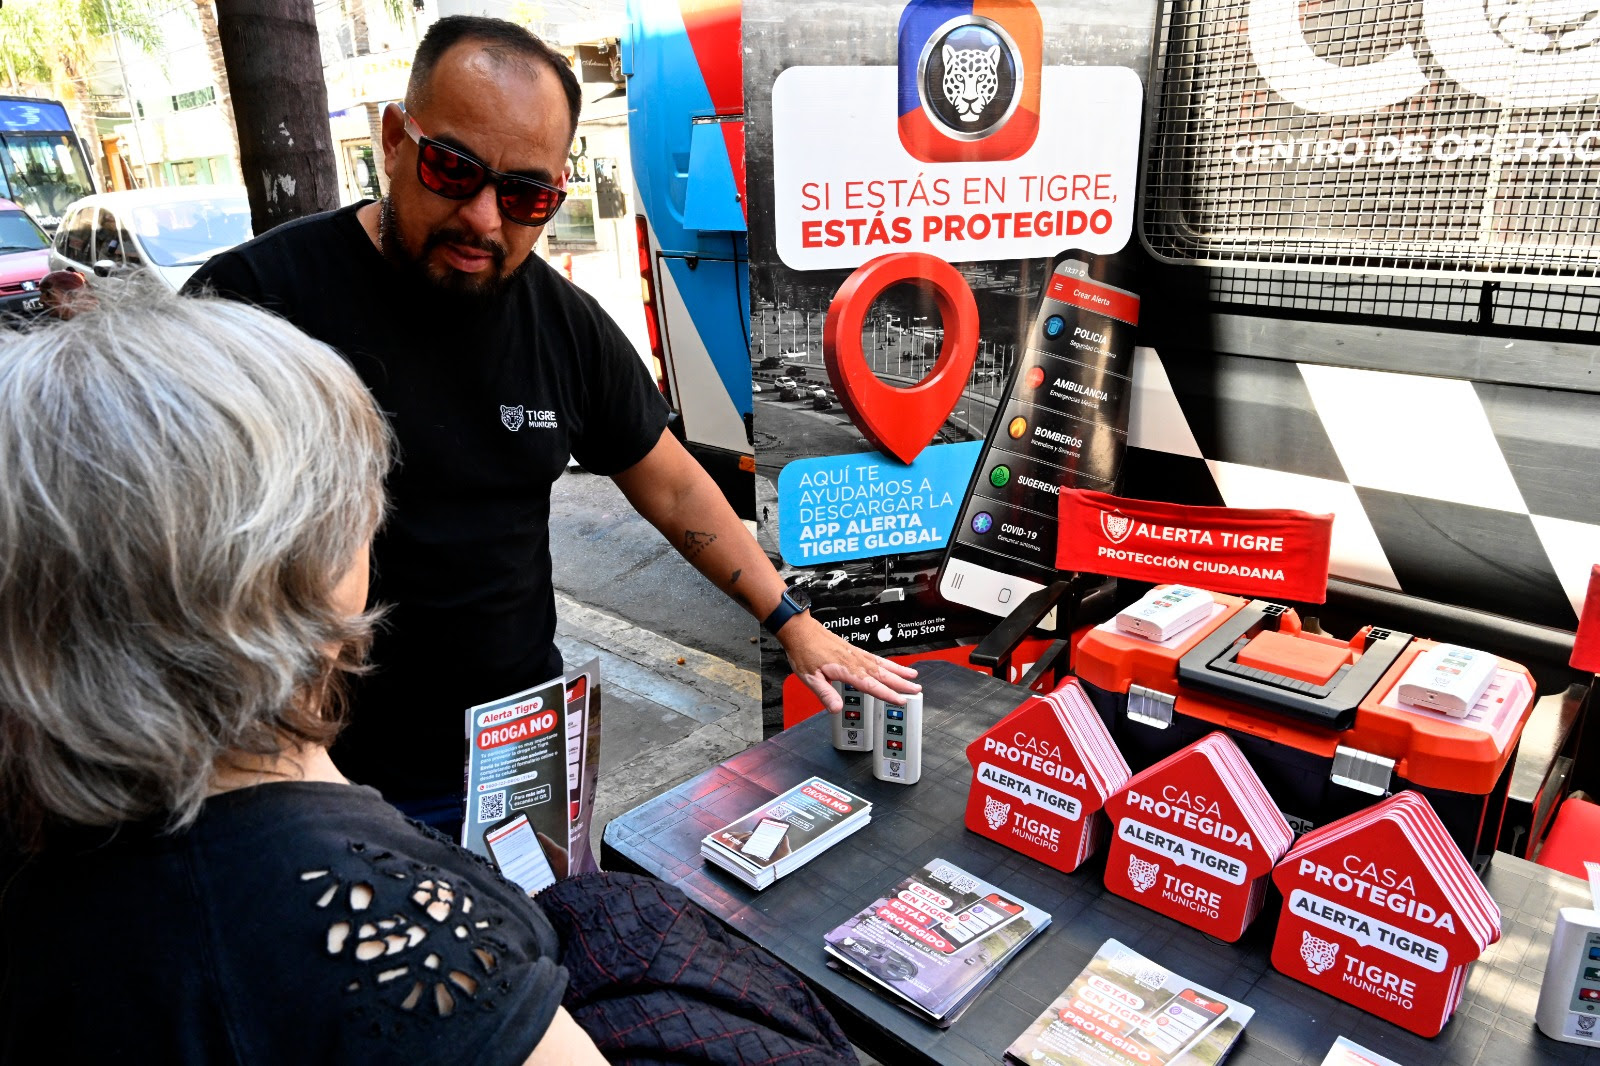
{"x": 296, "y": 922}
{"x": 486, "y": 405}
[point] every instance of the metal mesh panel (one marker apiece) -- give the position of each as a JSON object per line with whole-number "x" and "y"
{"x": 1547, "y": 307}
{"x": 1432, "y": 135}
{"x": 1439, "y": 301}
{"x": 1336, "y": 294}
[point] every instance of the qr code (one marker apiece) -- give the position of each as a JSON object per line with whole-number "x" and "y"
{"x": 492, "y": 806}
{"x": 959, "y": 880}
{"x": 1141, "y": 969}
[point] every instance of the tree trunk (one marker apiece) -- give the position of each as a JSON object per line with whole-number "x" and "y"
{"x": 274, "y": 66}
{"x": 219, "y": 72}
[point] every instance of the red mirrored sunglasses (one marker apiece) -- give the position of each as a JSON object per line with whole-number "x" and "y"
{"x": 455, "y": 175}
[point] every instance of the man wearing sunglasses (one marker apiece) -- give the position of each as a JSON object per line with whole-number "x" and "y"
{"x": 492, "y": 369}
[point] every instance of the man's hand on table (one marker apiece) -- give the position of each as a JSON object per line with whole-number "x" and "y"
{"x": 819, "y": 657}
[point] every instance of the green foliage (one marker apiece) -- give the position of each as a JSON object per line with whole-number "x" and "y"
{"x": 40, "y": 38}
{"x": 395, "y": 9}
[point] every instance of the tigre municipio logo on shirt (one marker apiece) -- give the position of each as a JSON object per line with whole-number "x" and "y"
{"x": 514, "y": 418}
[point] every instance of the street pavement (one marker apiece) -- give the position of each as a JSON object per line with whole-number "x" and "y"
{"x": 668, "y": 711}
{"x": 678, "y": 666}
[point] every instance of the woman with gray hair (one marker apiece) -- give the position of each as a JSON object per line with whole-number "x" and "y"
{"x": 188, "y": 489}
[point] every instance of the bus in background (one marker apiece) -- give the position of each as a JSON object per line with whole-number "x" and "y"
{"x": 686, "y": 137}
{"x": 42, "y": 165}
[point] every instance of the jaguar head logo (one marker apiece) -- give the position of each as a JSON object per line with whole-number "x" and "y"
{"x": 1116, "y": 526}
{"x": 513, "y": 417}
{"x": 1142, "y": 874}
{"x": 1317, "y": 953}
{"x": 971, "y": 79}
{"x": 995, "y": 812}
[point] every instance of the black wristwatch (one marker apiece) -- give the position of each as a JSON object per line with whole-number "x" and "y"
{"x": 787, "y": 608}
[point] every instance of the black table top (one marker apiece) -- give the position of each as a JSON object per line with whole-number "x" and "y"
{"x": 1294, "y": 1024}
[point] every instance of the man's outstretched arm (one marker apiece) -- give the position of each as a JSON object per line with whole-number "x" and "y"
{"x": 679, "y": 498}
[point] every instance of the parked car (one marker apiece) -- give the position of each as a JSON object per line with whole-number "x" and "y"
{"x": 791, "y": 392}
{"x": 755, "y": 386}
{"x": 833, "y": 579}
{"x": 896, "y": 595}
{"x": 785, "y": 383}
{"x": 169, "y": 233}
{"x": 24, "y": 259}
{"x": 819, "y": 399}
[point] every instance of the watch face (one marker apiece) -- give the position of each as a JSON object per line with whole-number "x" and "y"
{"x": 802, "y": 597}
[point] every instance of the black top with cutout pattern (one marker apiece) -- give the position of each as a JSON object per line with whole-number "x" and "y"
{"x": 295, "y": 922}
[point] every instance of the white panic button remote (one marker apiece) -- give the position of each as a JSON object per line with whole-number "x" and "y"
{"x": 1161, "y": 614}
{"x": 1447, "y": 678}
{"x": 1569, "y": 997}
{"x": 853, "y": 725}
{"x": 898, "y": 758}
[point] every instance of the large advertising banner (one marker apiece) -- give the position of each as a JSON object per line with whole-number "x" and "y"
{"x": 939, "y": 195}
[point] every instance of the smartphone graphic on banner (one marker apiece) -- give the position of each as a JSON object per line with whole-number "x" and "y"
{"x": 1180, "y": 1023}
{"x": 978, "y": 919}
{"x": 1063, "y": 421}
{"x": 765, "y": 839}
{"x": 514, "y": 846}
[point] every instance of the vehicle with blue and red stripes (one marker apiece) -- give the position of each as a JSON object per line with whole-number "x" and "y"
{"x": 686, "y": 133}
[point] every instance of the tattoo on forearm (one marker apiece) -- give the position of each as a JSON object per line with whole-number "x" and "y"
{"x": 695, "y": 543}
{"x": 734, "y": 580}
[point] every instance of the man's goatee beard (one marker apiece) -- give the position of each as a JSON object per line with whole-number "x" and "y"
{"x": 453, "y": 283}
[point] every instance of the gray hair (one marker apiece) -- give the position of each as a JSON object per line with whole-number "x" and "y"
{"x": 183, "y": 484}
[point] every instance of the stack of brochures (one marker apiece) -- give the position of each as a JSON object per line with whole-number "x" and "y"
{"x": 786, "y": 833}
{"x": 1346, "y": 1052}
{"x": 1124, "y": 1009}
{"x": 936, "y": 941}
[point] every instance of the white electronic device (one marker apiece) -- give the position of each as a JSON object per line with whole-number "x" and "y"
{"x": 853, "y": 725}
{"x": 1569, "y": 997}
{"x": 1161, "y": 614}
{"x": 898, "y": 756}
{"x": 1447, "y": 678}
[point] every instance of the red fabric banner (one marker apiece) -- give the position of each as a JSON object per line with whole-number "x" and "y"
{"x": 1586, "y": 648}
{"x": 1274, "y": 554}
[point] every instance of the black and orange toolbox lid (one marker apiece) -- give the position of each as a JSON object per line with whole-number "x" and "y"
{"x": 1254, "y": 668}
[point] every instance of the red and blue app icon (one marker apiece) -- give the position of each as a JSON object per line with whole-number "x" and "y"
{"x": 969, "y": 73}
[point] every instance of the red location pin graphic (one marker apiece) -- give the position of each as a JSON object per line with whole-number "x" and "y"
{"x": 900, "y": 421}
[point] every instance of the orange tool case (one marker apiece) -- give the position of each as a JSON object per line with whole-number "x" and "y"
{"x": 1316, "y": 716}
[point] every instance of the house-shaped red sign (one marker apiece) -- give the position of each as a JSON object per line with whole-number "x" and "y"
{"x": 1195, "y": 837}
{"x": 1040, "y": 776}
{"x": 1381, "y": 911}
